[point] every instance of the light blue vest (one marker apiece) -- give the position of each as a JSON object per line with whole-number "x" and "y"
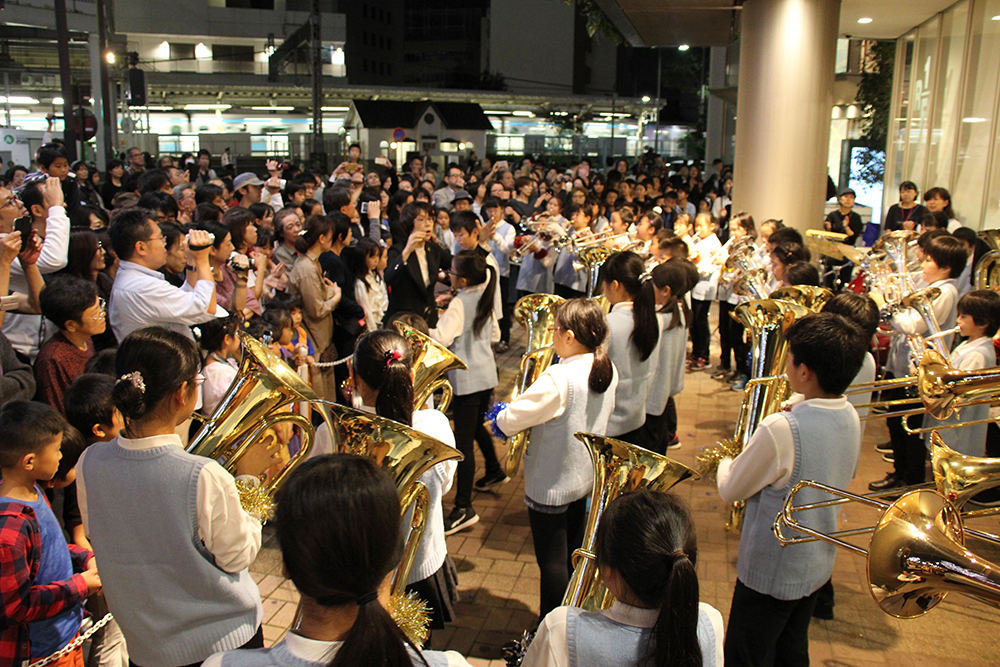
{"x": 475, "y": 350}
{"x": 534, "y": 277}
{"x": 280, "y": 656}
{"x": 557, "y": 466}
{"x": 174, "y": 605}
{"x": 633, "y": 375}
{"x": 594, "y": 639}
{"x": 826, "y": 450}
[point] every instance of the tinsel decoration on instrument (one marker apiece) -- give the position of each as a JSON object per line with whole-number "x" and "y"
{"x": 514, "y": 651}
{"x": 491, "y": 416}
{"x": 255, "y": 500}
{"x": 412, "y": 615}
{"x": 710, "y": 458}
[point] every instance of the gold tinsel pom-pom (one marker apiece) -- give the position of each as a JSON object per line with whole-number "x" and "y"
{"x": 255, "y": 500}
{"x": 709, "y": 459}
{"x": 412, "y": 615}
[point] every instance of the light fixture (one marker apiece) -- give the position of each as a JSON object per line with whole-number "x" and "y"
{"x": 524, "y": 114}
{"x": 683, "y": 47}
{"x": 645, "y": 98}
{"x": 974, "y": 120}
{"x": 273, "y": 108}
{"x": 19, "y": 100}
{"x": 996, "y": 18}
{"x": 496, "y": 112}
{"x": 152, "y": 108}
{"x": 19, "y": 112}
{"x": 57, "y": 101}
{"x": 110, "y": 57}
{"x": 461, "y": 146}
{"x": 207, "y": 107}
{"x": 334, "y": 108}
{"x": 392, "y": 145}
{"x": 864, "y": 19}
{"x": 91, "y": 100}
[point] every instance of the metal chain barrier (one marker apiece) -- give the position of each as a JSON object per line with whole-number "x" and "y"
{"x": 73, "y": 645}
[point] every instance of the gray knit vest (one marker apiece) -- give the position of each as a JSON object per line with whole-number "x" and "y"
{"x": 280, "y": 656}
{"x": 174, "y": 605}
{"x": 474, "y": 349}
{"x": 594, "y": 639}
{"x": 633, "y": 375}
{"x": 826, "y": 450}
{"x": 557, "y": 466}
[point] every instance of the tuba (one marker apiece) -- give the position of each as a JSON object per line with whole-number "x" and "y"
{"x": 619, "y": 467}
{"x": 808, "y": 296}
{"x": 263, "y": 385}
{"x": 988, "y": 266}
{"x": 593, "y": 258}
{"x": 752, "y": 284}
{"x": 431, "y": 360}
{"x": 767, "y": 321}
{"x": 405, "y": 454}
{"x": 537, "y": 313}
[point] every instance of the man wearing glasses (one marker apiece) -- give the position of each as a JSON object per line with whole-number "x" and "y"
{"x": 141, "y": 296}
{"x": 136, "y": 161}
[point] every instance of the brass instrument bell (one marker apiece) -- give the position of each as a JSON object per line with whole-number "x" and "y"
{"x": 431, "y": 360}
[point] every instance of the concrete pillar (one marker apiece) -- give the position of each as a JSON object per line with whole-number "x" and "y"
{"x": 787, "y": 52}
{"x": 715, "y": 121}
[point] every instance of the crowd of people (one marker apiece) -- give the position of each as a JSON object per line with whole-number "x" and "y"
{"x": 125, "y": 297}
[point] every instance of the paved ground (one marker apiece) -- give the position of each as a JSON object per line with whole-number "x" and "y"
{"x": 498, "y": 577}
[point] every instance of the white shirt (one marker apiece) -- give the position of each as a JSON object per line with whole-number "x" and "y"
{"x": 769, "y": 457}
{"x": 218, "y": 377}
{"x": 452, "y": 320}
{"x": 502, "y": 245}
{"x": 314, "y": 650}
{"x": 141, "y": 297}
{"x": 550, "y": 648}
{"x": 229, "y": 533}
{"x": 23, "y": 330}
{"x": 373, "y": 299}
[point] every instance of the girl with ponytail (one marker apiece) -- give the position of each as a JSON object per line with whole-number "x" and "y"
{"x": 469, "y": 328}
{"x": 634, "y": 335}
{"x": 577, "y": 394}
{"x": 339, "y": 533}
{"x": 646, "y": 551}
{"x": 671, "y": 282}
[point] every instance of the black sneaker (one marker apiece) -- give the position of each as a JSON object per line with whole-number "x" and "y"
{"x": 884, "y": 448}
{"x": 675, "y": 443}
{"x": 891, "y": 481}
{"x": 460, "y": 518}
{"x": 489, "y": 481}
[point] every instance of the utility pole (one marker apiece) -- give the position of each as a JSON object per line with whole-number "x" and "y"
{"x": 105, "y": 106}
{"x": 318, "y": 149}
{"x": 65, "y": 80}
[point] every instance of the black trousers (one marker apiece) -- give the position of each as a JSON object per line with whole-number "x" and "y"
{"x": 670, "y": 419}
{"x": 764, "y": 631}
{"x": 727, "y": 334}
{"x": 507, "y": 309}
{"x": 257, "y": 641}
{"x": 468, "y": 412}
{"x": 568, "y": 292}
{"x": 556, "y": 537}
{"x": 909, "y": 454}
{"x": 654, "y": 435}
{"x": 700, "y": 333}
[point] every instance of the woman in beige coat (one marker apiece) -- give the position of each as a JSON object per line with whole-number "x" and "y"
{"x": 319, "y": 296}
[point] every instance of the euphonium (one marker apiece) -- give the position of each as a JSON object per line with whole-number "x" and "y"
{"x": 810, "y": 297}
{"x": 619, "y": 467}
{"x": 987, "y": 270}
{"x": 752, "y": 284}
{"x": 263, "y": 385}
{"x": 593, "y": 257}
{"x": 741, "y": 261}
{"x": 405, "y": 454}
{"x": 431, "y": 360}
{"x": 766, "y": 320}
{"x": 537, "y": 313}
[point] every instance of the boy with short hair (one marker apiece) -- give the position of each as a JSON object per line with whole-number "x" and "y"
{"x": 52, "y": 161}
{"x": 73, "y": 305}
{"x": 43, "y": 581}
{"x": 499, "y": 234}
{"x": 818, "y": 439}
{"x": 466, "y": 227}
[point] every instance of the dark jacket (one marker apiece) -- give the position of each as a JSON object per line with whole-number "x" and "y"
{"x": 407, "y": 291}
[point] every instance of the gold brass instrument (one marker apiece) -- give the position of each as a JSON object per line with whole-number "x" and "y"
{"x": 810, "y": 297}
{"x": 593, "y": 257}
{"x": 405, "y": 454}
{"x": 537, "y": 313}
{"x": 431, "y": 361}
{"x": 916, "y": 554}
{"x": 619, "y": 467}
{"x": 263, "y": 386}
{"x": 987, "y": 269}
{"x": 767, "y": 321}
{"x": 752, "y": 284}
{"x": 922, "y": 301}
{"x": 741, "y": 261}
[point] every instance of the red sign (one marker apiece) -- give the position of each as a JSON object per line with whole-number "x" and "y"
{"x": 399, "y": 134}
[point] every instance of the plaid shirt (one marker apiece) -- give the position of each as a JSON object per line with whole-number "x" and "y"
{"x": 23, "y": 601}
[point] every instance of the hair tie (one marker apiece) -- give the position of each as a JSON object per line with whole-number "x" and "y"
{"x": 366, "y": 598}
{"x": 679, "y": 554}
{"x": 303, "y": 232}
{"x": 391, "y": 356}
{"x": 644, "y": 277}
{"x": 135, "y": 377}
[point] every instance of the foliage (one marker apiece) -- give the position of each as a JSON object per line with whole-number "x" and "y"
{"x": 875, "y": 97}
{"x": 598, "y": 21}
{"x": 491, "y": 81}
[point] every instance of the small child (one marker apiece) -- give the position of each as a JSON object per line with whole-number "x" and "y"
{"x": 222, "y": 347}
{"x": 73, "y": 305}
{"x": 367, "y": 261}
{"x": 978, "y": 321}
{"x": 467, "y": 229}
{"x": 499, "y": 234}
{"x": 571, "y": 282}
{"x": 577, "y": 394}
{"x": 704, "y": 293}
{"x": 47, "y": 579}
{"x": 300, "y": 338}
{"x": 818, "y": 439}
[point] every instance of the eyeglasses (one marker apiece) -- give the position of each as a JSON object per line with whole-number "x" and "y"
{"x": 161, "y": 237}
{"x": 11, "y": 201}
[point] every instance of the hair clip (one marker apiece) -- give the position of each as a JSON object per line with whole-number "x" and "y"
{"x": 135, "y": 377}
{"x": 392, "y": 355}
{"x": 645, "y": 276}
{"x": 303, "y": 232}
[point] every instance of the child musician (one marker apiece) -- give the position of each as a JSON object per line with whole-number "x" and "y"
{"x": 702, "y": 294}
{"x": 646, "y": 550}
{"x": 818, "y": 439}
{"x": 571, "y": 282}
{"x": 577, "y": 394}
